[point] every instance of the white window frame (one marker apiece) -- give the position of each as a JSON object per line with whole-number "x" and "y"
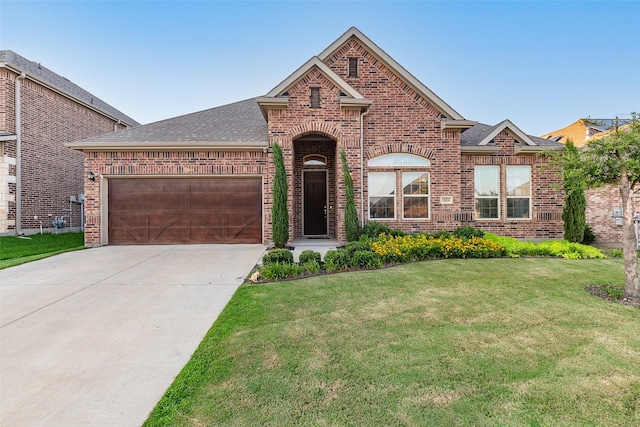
{"x": 421, "y": 196}
{"x": 529, "y": 198}
{"x": 370, "y": 196}
{"x": 476, "y": 197}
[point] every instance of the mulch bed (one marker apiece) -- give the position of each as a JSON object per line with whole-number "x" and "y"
{"x": 600, "y": 292}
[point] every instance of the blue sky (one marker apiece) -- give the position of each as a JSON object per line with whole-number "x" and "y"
{"x": 540, "y": 64}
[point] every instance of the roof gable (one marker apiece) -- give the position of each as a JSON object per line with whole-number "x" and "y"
{"x": 398, "y": 69}
{"x": 513, "y": 129}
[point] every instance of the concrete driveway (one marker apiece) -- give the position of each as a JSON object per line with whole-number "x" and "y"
{"x": 95, "y": 337}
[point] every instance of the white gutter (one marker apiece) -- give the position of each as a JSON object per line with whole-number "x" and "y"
{"x": 362, "y": 166}
{"x": 22, "y": 76}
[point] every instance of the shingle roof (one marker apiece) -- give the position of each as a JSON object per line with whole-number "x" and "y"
{"x": 43, "y": 74}
{"x": 474, "y": 135}
{"x": 236, "y": 123}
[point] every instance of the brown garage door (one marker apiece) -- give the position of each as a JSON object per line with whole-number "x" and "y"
{"x": 173, "y": 210}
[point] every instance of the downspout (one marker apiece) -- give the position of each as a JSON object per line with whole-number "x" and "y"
{"x": 362, "y": 166}
{"x": 19, "y": 232}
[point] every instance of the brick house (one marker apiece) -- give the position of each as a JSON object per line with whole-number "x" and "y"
{"x": 416, "y": 163}
{"x": 39, "y": 112}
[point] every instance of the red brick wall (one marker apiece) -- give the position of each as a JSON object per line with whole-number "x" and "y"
{"x": 159, "y": 163}
{"x": 600, "y": 202}
{"x": 51, "y": 173}
{"x": 546, "y": 186}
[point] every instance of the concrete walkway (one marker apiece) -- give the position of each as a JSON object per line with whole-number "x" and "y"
{"x": 95, "y": 337}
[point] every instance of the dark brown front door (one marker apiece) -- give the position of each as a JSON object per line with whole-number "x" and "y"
{"x": 315, "y": 203}
{"x": 174, "y": 210}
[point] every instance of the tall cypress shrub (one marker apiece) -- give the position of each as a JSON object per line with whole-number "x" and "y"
{"x": 279, "y": 214}
{"x": 575, "y": 202}
{"x": 351, "y": 223}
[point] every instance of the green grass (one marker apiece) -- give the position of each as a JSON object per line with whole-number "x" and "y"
{"x": 15, "y": 250}
{"x": 494, "y": 342}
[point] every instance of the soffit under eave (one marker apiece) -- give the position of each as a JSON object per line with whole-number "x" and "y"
{"x": 416, "y": 84}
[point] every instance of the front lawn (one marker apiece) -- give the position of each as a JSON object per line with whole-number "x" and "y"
{"x": 515, "y": 342}
{"x": 18, "y": 250}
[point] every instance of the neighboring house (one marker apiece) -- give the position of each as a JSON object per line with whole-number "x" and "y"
{"x": 39, "y": 112}
{"x": 416, "y": 163}
{"x": 584, "y": 130}
{"x": 603, "y": 200}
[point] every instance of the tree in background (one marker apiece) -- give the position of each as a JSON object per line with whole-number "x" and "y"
{"x": 615, "y": 160}
{"x": 351, "y": 223}
{"x": 279, "y": 213}
{"x": 575, "y": 202}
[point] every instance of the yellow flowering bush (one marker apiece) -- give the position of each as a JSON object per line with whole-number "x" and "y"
{"x": 423, "y": 246}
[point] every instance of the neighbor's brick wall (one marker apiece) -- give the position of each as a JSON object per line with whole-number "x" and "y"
{"x": 600, "y": 202}
{"x": 159, "y": 163}
{"x": 546, "y": 187}
{"x": 51, "y": 173}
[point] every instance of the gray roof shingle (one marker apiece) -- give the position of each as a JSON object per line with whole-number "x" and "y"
{"x": 43, "y": 74}
{"x": 233, "y": 123}
{"x": 474, "y": 135}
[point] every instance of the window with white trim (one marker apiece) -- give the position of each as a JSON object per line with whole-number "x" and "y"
{"x": 415, "y": 195}
{"x": 382, "y": 195}
{"x": 486, "y": 189}
{"x": 402, "y": 172}
{"x": 519, "y": 192}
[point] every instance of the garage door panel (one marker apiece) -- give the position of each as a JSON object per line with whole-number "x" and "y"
{"x": 167, "y": 211}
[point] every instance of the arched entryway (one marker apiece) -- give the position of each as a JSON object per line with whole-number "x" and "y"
{"x": 314, "y": 186}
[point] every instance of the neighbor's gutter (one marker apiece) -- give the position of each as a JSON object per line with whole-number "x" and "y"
{"x": 362, "y": 166}
{"x": 22, "y": 76}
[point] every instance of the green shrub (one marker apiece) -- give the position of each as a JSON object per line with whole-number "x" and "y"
{"x": 397, "y": 232}
{"x": 365, "y": 259}
{"x": 351, "y": 222}
{"x": 554, "y": 248}
{"x": 467, "y": 232}
{"x": 374, "y": 229}
{"x": 309, "y": 255}
{"x": 353, "y": 247}
{"x": 276, "y": 271}
{"x": 278, "y": 256}
{"x": 442, "y": 234}
{"x": 311, "y": 266}
{"x": 589, "y": 236}
{"x": 336, "y": 259}
{"x": 279, "y": 213}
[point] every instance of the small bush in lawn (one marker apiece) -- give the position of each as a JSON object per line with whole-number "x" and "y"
{"x": 353, "y": 247}
{"x": 468, "y": 232}
{"x": 337, "y": 259}
{"x": 279, "y": 256}
{"x": 613, "y": 292}
{"x": 309, "y": 255}
{"x": 374, "y": 229}
{"x": 311, "y": 266}
{"x": 365, "y": 259}
{"x": 276, "y": 271}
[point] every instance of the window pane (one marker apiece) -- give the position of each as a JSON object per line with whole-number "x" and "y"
{"x": 487, "y": 208}
{"x": 416, "y": 207}
{"x": 399, "y": 160}
{"x": 381, "y": 207}
{"x": 518, "y": 207}
{"x": 415, "y": 183}
{"x": 382, "y": 183}
{"x": 382, "y": 189}
{"x": 518, "y": 181}
{"x": 487, "y": 180}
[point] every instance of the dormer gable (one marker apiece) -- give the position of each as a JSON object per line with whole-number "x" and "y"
{"x": 278, "y": 96}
